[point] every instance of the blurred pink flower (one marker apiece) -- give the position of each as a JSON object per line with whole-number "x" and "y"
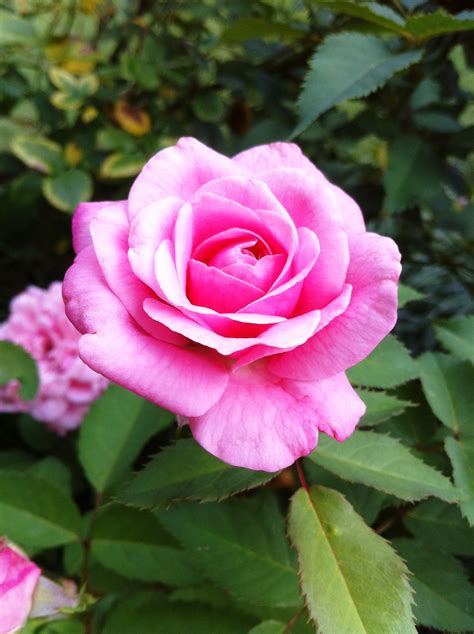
{"x": 18, "y": 580}
{"x": 38, "y": 323}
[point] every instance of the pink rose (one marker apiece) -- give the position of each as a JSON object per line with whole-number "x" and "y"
{"x": 18, "y": 580}
{"x": 234, "y": 292}
{"x": 38, "y": 323}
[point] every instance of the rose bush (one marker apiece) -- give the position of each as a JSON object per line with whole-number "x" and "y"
{"x": 234, "y": 292}
{"x": 18, "y": 580}
{"x": 38, "y": 322}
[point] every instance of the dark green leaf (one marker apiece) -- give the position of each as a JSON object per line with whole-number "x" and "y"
{"x": 114, "y": 430}
{"x": 427, "y": 25}
{"x": 132, "y": 543}
{"x": 457, "y": 336}
{"x": 352, "y": 579}
{"x": 247, "y": 28}
{"x": 461, "y": 454}
{"x": 239, "y": 544}
{"x": 148, "y": 613}
{"x": 380, "y": 406}
{"x": 347, "y": 66}
{"x": 204, "y": 477}
{"x": 17, "y": 364}
{"x": 383, "y": 463}
{"x": 407, "y": 294}
{"x": 68, "y": 189}
{"x": 372, "y": 12}
{"x": 36, "y": 514}
{"x": 447, "y": 384}
{"x": 387, "y": 366}
{"x": 441, "y": 526}
{"x": 444, "y": 598}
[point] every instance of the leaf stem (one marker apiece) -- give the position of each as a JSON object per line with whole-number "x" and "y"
{"x": 302, "y": 479}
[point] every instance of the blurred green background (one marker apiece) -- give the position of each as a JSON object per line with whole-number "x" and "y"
{"x": 90, "y": 89}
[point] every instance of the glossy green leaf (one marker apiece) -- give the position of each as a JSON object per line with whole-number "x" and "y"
{"x": 427, "y": 25}
{"x": 351, "y": 578}
{"x": 34, "y": 513}
{"x": 164, "y": 480}
{"x": 121, "y": 165}
{"x": 17, "y": 364}
{"x": 461, "y": 454}
{"x": 411, "y": 173}
{"x": 444, "y": 598}
{"x": 457, "y": 336}
{"x": 240, "y": 545}
{"x": 389, "y": 365}
{"x": 447, "y": 384}
{"x": 372, "y": 12}
{"x": 148, "y": 612}
{"x": 347, "y": 66}
{"x": 441, "y": 526}
{"x": 68, "y": 189}
{"x": 114, "y": 430}
{"x": 383, "y": 463}
{"x": 406, "y": 294}
{"x": 380, "y": 406}
{"x": 39, "y": 153}
{"x": 132, "y": 543}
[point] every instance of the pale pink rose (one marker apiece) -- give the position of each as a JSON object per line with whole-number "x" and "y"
{"x": 38, "y": 323}
{"x": 18, "y": 580}
{"x": 234, "y": 292}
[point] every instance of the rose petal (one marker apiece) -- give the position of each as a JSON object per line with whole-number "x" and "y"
{"x": 352, "y": 217}
{"x": 284, "y": 335}
{"x": 178, "y": 171}
{"x": 373, "y": 272}
{"x": 266, "y": 157}
{"x": 81, "y": 220}
{"x": 109, "y": 230}
{"x": 311, "y": 203}
{"x": 18, "y": 579}
{"x": 262, "y": 422}
{"x": 211, "y": 287}
{"x": 183, "y": 380}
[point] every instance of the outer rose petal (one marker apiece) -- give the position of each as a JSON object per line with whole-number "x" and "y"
{"x": 374, "y": 270}
{"x": 178, "y": 171}
{"x": 262, "y": 422}
{"x": 81, "y": 220}
{"x": 185, "y": 381}
{"x": 18, "y": 579}
{"x": 267, "y": 157}
{"x": 352, "y": 217}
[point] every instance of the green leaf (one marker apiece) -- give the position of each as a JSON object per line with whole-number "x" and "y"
{"x": 74, "y": 87}
{"x": 441, "y": 526}
{"x": 65, "y": 101}
{"x": 457, "y": 336}
{"x": 412, "y": 170}
{"x": 457, "y": 57}
{"x": 133, "y": 544}
{"x": 36, "y": 514}
{"x": 121, "y": 165}
{"x": 148, "y": 612}
{"x": 113, "y": 431}
{"x": 68, "y": 189}
{"x": 269, "y": 627}
{"x": 461, "y": 454}
{"x": 15, "y": 30}
{"x": 447, "y": 384}
{"x": 444, "y": 598}
{"x": 205, "y": 477}
{"x": 53, "y": 471}
{"x": 428, "y": 25}
{"x": 347, "y": 66}
{"x": 407, "y": 294}
{"x": 240, "y": 545}
{"x": 352, "y": 579}
{"x": 17, "y": 364}
{"x": 383, "y": 463}
{"x": 371, "y": 12}
{"x": 248, "y": 28}
{"x": 380, "y": 407}
{"x": 389, "y": 365}
{"x": 39, "y": 153}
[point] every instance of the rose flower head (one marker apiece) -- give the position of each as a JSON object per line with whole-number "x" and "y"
{"x": 38, "y": 323}
{"x": 234, "y": 292}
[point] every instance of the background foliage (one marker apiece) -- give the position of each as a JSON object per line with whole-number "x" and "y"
{"x": 380, "y": 97}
